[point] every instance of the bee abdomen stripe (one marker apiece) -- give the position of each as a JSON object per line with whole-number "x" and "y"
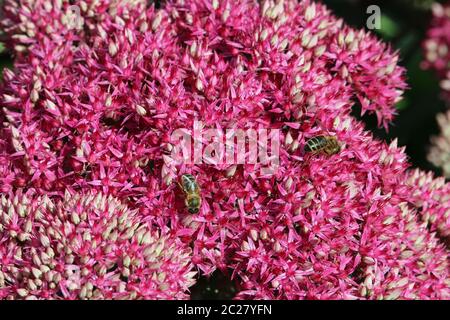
{"x": 315, "y": 143}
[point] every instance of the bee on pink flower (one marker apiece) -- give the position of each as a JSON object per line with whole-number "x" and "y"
{"x": 328, "y": 145}
{"x": 191, "y": 189}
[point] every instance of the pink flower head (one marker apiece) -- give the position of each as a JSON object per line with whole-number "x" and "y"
{"x": 439, "y": 153}
{"x": 86, "y": 246}
{"x": 432, "y": 197}
{"x": 437, "y": 58}
{"x": 436, "y": 45}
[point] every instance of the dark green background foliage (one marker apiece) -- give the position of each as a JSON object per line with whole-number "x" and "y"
{"x": 404, "y": 24}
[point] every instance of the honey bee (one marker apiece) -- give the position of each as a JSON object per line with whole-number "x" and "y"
{"x": 328, "y": 145}
{"x": 191, "y": 191}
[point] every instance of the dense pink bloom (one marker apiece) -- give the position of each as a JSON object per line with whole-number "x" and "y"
{"x": 403, "y": 259}
{"x": 432, "y": 198}
{"x": 94, "y": 108}
{"x": 345, "y": 230}
{"x": 86, "y": 247}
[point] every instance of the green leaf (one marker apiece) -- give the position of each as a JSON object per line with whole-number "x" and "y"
{"x": 5, "y": 62}
{"x": 389, "y": 27}
{"x": 403, "y": 104}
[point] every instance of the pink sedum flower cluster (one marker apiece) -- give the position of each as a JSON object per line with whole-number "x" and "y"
{"x": 437, "y": 45}
{"x": 86, "y": 246}
{"x": 93, "y": 108}
{"x": 432, "y": 197}
{"x": 437, "y": 58}
{"x": 439, "y": 153}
